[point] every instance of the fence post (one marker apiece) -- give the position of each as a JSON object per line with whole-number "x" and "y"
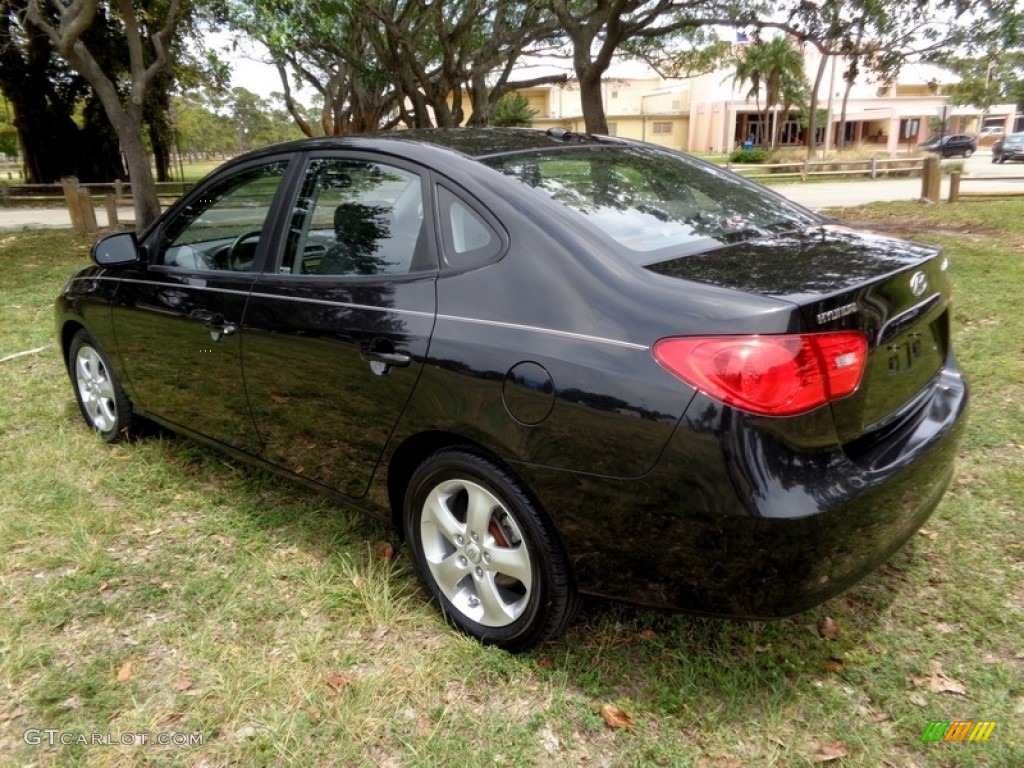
{"x": 87, "y": 211}
{"x": 118, "y": 189}
{"x": 110, "y": 203}
{"x": 931, "y": 180}
{"x": 874, "y": 167}
{"x": 70, "y": 186}
{"x": 954, "y": 186}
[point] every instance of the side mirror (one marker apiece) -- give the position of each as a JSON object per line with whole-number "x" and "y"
{"x": 117, "y": 249}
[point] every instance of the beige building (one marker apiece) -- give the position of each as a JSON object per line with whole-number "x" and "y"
{"x": 708, "y": 113}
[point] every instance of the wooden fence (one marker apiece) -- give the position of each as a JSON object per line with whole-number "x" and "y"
{"x": 957, "y": 192}
{"x": 875, "y": 167}
{"x": 80, "y": 199}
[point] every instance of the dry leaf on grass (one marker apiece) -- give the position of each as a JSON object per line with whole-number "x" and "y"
{"x": 338, "y": 680}
{"x": 181, "y": 684}
{"x": 125, "y": 673}
{"x": 384, "y": 550}
{"x": 832, "y": 665}
{"x": 828, "y": 628}
{"x": 829, "y": 751}
{"x": 938, "y": 681}
{"x": 615, "y": 717}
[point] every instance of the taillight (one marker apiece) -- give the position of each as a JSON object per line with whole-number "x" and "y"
{"x": 768, "y": 375}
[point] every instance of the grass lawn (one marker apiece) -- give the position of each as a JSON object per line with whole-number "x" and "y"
{"x": 159, "y": 588}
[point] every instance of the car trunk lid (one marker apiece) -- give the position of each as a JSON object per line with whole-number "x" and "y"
{"x": 894, "y": 291}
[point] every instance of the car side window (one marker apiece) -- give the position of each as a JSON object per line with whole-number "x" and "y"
{"x": 356, "y": 217}
{"x": 221, "y": 229}
{"x": 467, "y": 238}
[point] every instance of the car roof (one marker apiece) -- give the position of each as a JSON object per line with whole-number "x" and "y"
{"x": 485, "y": 142}
{"x": 476, "y": 143}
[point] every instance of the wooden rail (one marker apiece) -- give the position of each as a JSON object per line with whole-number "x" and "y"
{"x": 872, "y": 168}
{"x": 956, "y": 192}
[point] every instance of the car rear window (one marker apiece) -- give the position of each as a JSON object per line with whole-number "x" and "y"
{"x": 650, "y": 201}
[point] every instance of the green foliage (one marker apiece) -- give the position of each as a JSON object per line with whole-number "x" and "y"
{"x": 211, "y": 124}
{"x": 749, "y": 156}
{"x": 9, "y": 146}
{"x": 513, "y": 110}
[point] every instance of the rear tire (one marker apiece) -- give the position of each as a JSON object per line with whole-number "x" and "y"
{"x": 486, "y": 553}
{"x": 102, "y": 401}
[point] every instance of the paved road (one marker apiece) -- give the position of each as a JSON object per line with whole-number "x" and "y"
{"x": 980, "y": 174}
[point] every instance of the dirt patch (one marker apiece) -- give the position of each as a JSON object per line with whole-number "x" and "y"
{"x": 911, "y": 228}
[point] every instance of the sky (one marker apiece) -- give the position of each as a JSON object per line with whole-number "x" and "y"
{"x": 245, "y": 58}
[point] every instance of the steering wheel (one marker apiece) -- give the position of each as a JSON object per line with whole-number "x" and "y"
{"x": 234, "y": 263}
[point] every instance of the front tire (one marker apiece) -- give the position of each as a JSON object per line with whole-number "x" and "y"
{"x": 968, "y": 153}
{"x": 486, "y": 552}
{"x": 102, "y": 401}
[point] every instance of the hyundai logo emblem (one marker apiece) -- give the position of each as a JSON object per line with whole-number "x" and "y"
{"x": 918, "y": 283}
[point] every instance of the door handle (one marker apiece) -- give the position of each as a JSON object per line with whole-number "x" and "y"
{"x": 396, "y": 359}
{"x": 382, "y": 357}
{"x": 215, "y": 323}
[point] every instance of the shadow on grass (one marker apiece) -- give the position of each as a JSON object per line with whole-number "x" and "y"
{"x": 661, "y": 662}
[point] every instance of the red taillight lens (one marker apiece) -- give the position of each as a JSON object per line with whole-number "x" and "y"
{"x": 768, "y": 375}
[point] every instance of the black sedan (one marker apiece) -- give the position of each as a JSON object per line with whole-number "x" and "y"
{"x": 951, "y": 145}
{"x": 558, "y": 363}
{"x": 1008, "y": 148}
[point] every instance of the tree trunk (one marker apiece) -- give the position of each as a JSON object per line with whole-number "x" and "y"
{"x": 480, "y": 101}
{"x": 812, "y": 118}
{"x": 592, "y": 103}
{"x": 52, "y": 144}
{"x": 842, "y": 115}
{"x": 144, "y": 197}
{"x": 125, "y": 117}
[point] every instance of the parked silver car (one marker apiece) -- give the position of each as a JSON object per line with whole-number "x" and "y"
{"x": 1009, "y": 148}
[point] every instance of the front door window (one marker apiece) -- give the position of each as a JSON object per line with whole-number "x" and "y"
{"x": 222, "y": 228}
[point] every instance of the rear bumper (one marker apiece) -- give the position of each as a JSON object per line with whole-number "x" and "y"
{"x": 746, "y": 526}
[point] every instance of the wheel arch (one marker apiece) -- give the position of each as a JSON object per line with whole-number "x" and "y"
{"x": 412, "y": 452}
{"x": 67, "y": 332}
{"x": 415, "y": 449}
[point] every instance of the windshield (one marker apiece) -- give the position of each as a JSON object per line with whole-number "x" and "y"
{"x": 649, "y": 200}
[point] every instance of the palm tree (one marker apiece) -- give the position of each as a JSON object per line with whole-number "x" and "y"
{"x": 778, "y": 67}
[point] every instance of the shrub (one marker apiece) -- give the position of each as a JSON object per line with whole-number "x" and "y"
{"x": 745, "y": 156}
{"x": 513, "y": 110}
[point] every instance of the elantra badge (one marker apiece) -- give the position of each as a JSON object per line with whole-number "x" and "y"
{"x": 830, "y": 315}
{"x": 918, "y": 283}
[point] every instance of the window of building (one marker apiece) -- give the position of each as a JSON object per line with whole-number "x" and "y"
{"x": 662, "y": 127}
{"x": 613, "y": 129}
